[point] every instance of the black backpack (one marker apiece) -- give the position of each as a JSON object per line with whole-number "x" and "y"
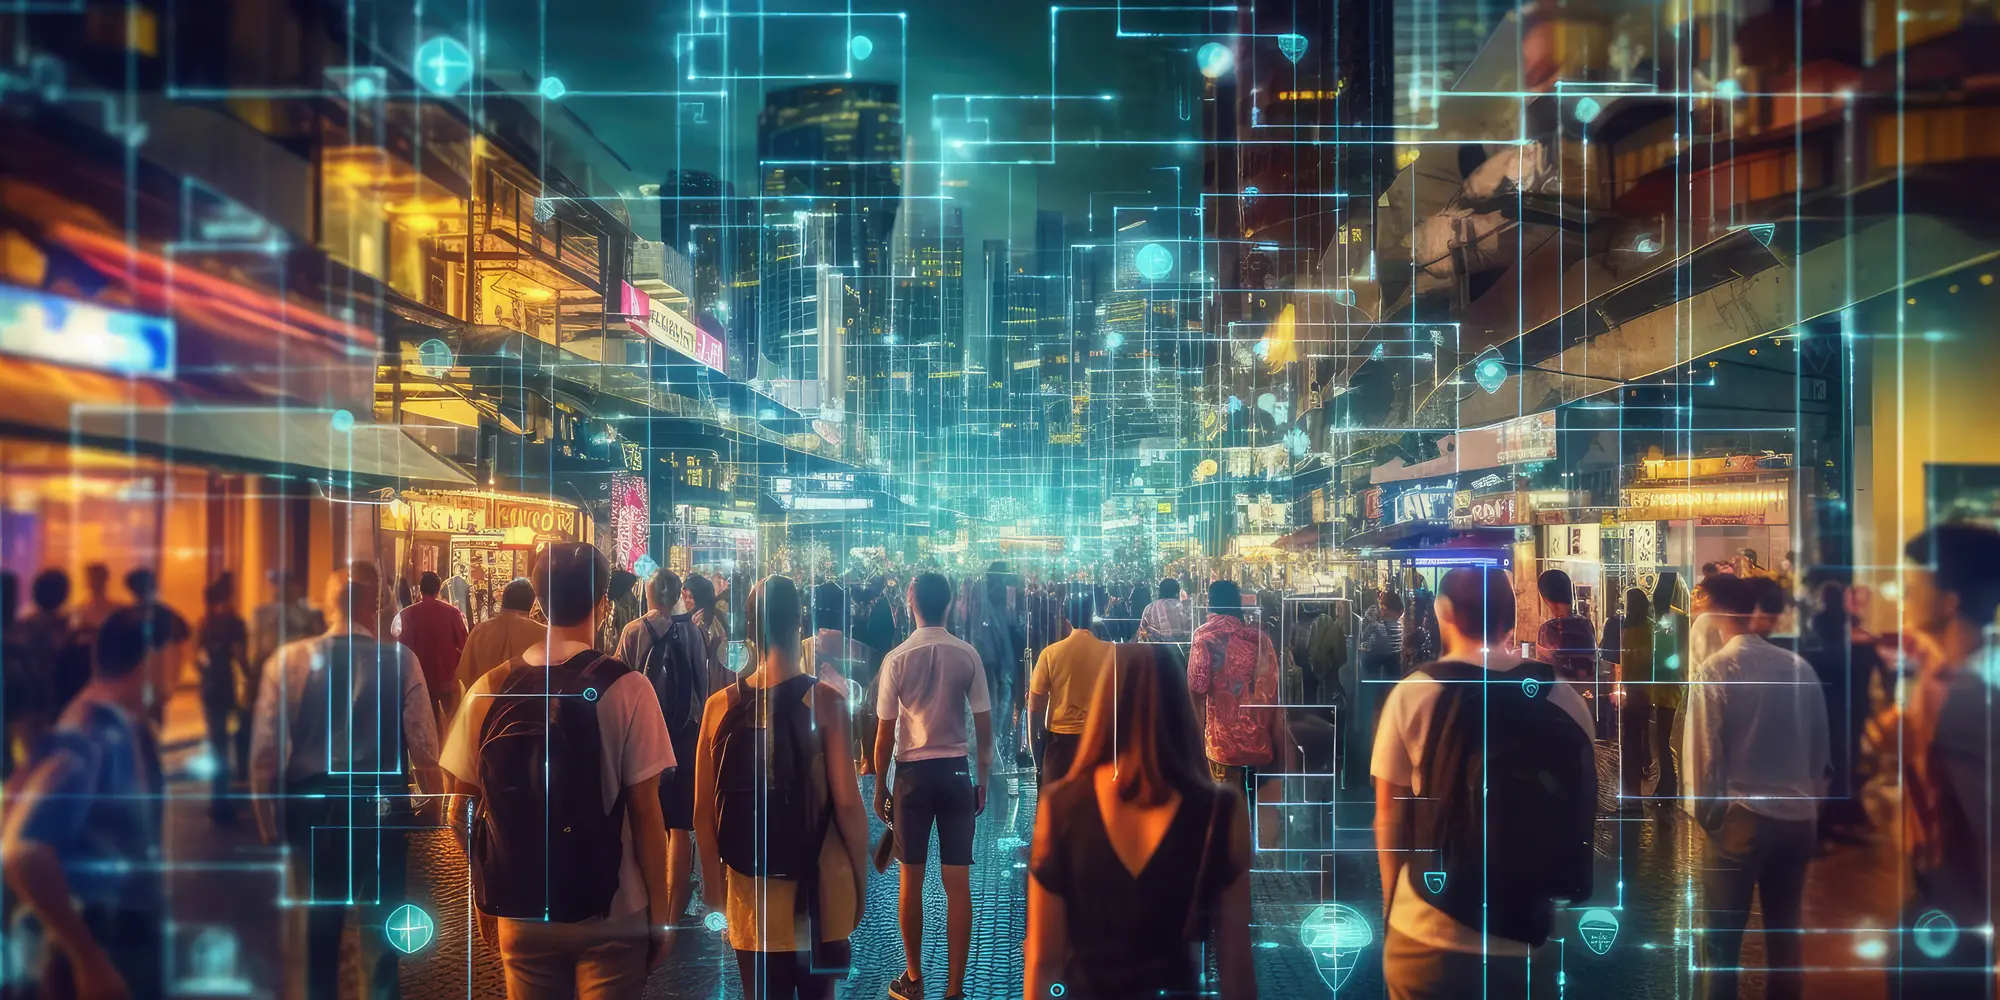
{"x": 771, "y": 810}
{"x": 677, "y": 667}
{"x": 1509, "y": 776}
{"x": 543, "y": 845}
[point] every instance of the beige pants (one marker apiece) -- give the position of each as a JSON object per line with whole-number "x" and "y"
{"x": 588, "y": 960}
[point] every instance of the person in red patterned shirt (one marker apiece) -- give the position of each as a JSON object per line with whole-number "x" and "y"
{"x": 435, "y": 631}
{"x": 1233, "y": 677}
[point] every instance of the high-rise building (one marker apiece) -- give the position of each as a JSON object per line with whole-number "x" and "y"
{"x": 701, "y": 218}
{"x": 927, "y": 355}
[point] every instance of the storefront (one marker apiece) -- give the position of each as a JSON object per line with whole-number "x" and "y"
{"x": 716, "y": 542}
{"x": 1719, "y": 522}
{"x": 475, "y": 541}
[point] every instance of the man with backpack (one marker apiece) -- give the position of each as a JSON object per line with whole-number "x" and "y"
{"x": 1480, "y": 755}
{"x": 561, "y": 751}
{"x": 929, "y": 684}
{"x": 670, "y": 651}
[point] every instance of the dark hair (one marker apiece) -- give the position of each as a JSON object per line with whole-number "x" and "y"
{"x": 1709, "y": 569}
{"x": 429, "y": 584}
{"x": 1392, "y": 601}
{"x": 142, "y": 583}
{"x": 1638, "y": 607}
{"x": 519, "y": 595}
{"x": 773, "y": 614}
{"x": 1965, "y": 558}
{"x": 1768, "y": 595}
{"x": 1141, "y": 713}
{"x": 622, "y": 581}
{"x": 1170, "y": 589}
{"x": 931, "y": 593}
{"x": 701, "y": 589}
{"x": 830, "y": 606}
{"x": 1556, "y": 587}
{"x": 127, "y": 636}
{"x": 1225, "y": 598}
{"x": 664, "y": 587}
{"x": 1730, "y": 594}
{"x": 219, "y": 590}
{"x": 50, "y": 589}
{"x": 1080, "y": 610}
{"x": 1482, "y": 600}
{"x": 570, "y": 578}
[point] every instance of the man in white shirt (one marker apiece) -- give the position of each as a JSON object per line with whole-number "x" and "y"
{"x": 1168, "y": 618}
{"x": 1429, "y": 954}
{"x": 1755, "y": 764}
{"x": 927, "y": 686}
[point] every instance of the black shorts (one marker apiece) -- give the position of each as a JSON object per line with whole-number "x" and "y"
{"x": 933, "y": 791}
{"x": 1058, "y": 753}
{"x": 677, "y": 786}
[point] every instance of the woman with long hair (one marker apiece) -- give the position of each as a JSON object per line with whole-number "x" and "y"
{"x": 1138, "y": 856}
{"x": 789, "y": 933}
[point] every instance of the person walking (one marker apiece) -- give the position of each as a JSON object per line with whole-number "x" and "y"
{"x": 287, "y": 617}
{"x": 1061, "y": 687}
{"x": 980, "y": 617}
{"x": 1501, "y": 754}
{"x": 568, "y": 852}
{"x": 1233, "y": 677}
{"x": 1382, "y": 638}
{"x": 1138, "y": 858}
{"x": 435, "y": 631}
{"x": 51, "y": 665}
{"x": 1951, "y": 592}
{"x": 1567, "y": 640}
{"x": 1646, "y": 719}
{"x": 498, "y": 639}
{"x": 778, "y": 817}
{"x": 223, "y": 645}
{"x": 82, "y": 839}
{"x": 1755, "y": 761}
{"x": 669, "y": 649}
{"x": 343, "y": 725}
{"x": 929, "y": 684}
{"x": 707, "y": 617}
{"x": 97, "y": 605}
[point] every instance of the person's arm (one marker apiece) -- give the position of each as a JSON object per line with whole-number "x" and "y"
{"x": 35, "y": 873}
{"x": 1232, "y": 916}
{"x": 420, "y": 737}
{"x": 649, "y": 843}
{"x": 706, "y": 843}
{"x": 830, "y": 707}
{"x": 982, "y": 725}
{"x": 1039, "y": 683}
{"x": 1703, "y": 715}
{"x": 885, "y": 752}
{"x": 267, "y": 741}
{"x": 1198, "y": 668}
{"x": 1045, "y": 952}
{"x": 1393, "y": 839}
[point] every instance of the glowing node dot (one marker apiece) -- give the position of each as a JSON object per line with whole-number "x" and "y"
{"x": 1057, "y": 989}
{"x": 1587, "y": 110}
{"x": 861, "y": 47}
{"x": 1154, "y": 262}
{"x": 553, "y": 89}
{"x": 1215, "y": 60}
{"x": 343, "y": 421}
{"x": 589, "y": 694}
{"x": 1871, "y": 948}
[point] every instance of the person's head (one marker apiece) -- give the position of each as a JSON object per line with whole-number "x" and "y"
{"x": 1954, "y": 585}
{"x": 220, "y": 594}
{"x": 663, "y": 591}
{"x": 142, "y": 583}
{"x": 1224, "y": 598}
{"x": 1392, "y": 603}
{"x": 1142, "y": 719}
{"x": 97, "y": 579}
{"x": 429, "y": 584}
{"x": 131, "y": 646}
{"x": 700, "y": 591}
{"x": 1556, "y": 589}
{"x": 930, "y": 596}
{"x": 1080, "y": 610}
{"x": 623, "y": 582}
{"x": 830, "y": 607}
{"x": 1170, "y": 589}
{"x": 1748, "y": 555}
{"x": 1731, "y": 601}
{"x": 1770, "y": 600}
{"x": 1709, "y": 569}
{"x": 51, "y": 589}
{"x": 1475, "y": 607}
{"x": 354, "y": 594}
{"x": 518, "y": 596}
{"x": 573, "y": 582}
{"x": 773, "y": 615}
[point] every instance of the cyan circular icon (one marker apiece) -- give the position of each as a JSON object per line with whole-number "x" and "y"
{"x": 443, "y": 66}
{"x": 715, "y": 921}
{"x": 343, "y": 421}
{"x": 1154, "y": 262}
{"x": 1935, "y": 934}
{"x": 860, "y": 47}
{"x": 589, "y": 694}
{"x": 409, "y": 929}
{"x": 1531, "y": 686}
{"x": 1215, "y": 60}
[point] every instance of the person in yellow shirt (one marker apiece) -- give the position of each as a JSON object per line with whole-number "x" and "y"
{"x": 1064, "y": 681}
{"x": 499, "y": 638}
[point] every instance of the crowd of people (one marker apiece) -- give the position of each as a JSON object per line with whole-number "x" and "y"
{"x": 602, "y": 759}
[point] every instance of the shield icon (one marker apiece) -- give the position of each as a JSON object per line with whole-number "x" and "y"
{"x": 1434, "y": 881}
{"x": 1292, "y": 45}
{"x": 1598, "y": 928}
{"x": 1530, "y": 686}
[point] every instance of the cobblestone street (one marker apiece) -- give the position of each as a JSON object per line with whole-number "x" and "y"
{"x": 223, "y": 878}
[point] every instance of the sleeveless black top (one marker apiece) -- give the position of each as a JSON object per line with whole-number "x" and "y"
{"x": 1125, "y": 931}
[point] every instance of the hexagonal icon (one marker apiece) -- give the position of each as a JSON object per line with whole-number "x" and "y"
{"x": 1335, "y": 934}
{"x": 409, "y": 929}
{"x": 1598, "y": 928}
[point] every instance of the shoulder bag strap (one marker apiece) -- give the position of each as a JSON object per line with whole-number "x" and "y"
{"x": 1191, "y": 927}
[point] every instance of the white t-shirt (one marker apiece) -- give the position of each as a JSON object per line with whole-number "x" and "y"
{"x": 1399, "y": 749}
{"x": 929, "y": 683}
{"x": 1704, "y": 640}
{"x": 635, "y": 744}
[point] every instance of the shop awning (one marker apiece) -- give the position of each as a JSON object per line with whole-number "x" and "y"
{"x": 257, "y": 438}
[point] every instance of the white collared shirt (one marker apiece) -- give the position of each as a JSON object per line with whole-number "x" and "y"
{"x": 1756, "y": 732}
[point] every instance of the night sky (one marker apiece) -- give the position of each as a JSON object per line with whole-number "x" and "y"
{"x": 955, "y": 47}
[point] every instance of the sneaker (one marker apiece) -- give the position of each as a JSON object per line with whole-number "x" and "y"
{"x": 905, "y": 988}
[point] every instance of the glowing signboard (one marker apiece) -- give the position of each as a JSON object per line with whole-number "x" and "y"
{"x": 82, "y": 335}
